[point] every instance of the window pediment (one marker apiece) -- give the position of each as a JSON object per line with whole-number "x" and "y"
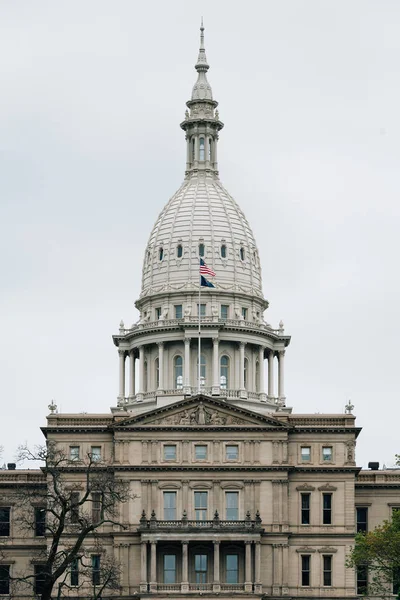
{"x": 327, "y": 488}
{"x": 305, "y": 487}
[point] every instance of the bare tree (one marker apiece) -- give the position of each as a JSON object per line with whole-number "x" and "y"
{"x": 78, "y": 499}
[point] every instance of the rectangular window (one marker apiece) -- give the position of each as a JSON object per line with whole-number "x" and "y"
{"x": 75, "y": 572}
{"x": 169, "y": 452}
{"x": 4, "y": 579}
{"x": 96, "y": 569}
{"x": 306, "y": 453}
{"x": 244, "y": 313}
{"x": 178, "y": 311}
{"x": 224, "y": 311}
{"x": 169, "y": 568}
{"x": 327, "y": 570}
{"x": 40, "y": 521}
{"x": 305, "y": 569}
{"x": 95, "y": 453}
{"x": 74, "y": 453}
{"x": 362, "y": 518}
{"x": 4, "y": 521}
{"x": 74, "y": 498}
{"x": 39, "y": 580}
{"x": 232, "y": 452}
{"x": 232, "y": 568}
{"x": 202, "y": 310}
{"x": 200, "y": 568}
{"x": 327, "y": 509}
{"x": 96, "y": 507}
{"x": 170, "y": 506}
{"x": 362, "y": 580}
{"x": 200, "y": 452}
{"x": 158, "y": 312}
{"x": 200, "y": 505}
{"x": 232, "y": 506}
{"x": 327, "y": 453}
{"x": 305, "y": 509}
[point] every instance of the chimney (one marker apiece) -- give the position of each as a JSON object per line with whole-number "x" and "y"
{"x": 374, "y": 466}
{"x": 11, "y": 466}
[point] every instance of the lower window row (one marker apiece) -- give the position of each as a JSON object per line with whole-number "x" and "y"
{"x": 200, "y": 568}
{"x": 38, "y": 580}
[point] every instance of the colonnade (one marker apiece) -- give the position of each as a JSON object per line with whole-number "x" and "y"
{"x": 248, "y": 584}
{"x": 188, "y": 385}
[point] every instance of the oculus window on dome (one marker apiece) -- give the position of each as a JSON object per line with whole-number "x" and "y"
{"x": 223, "y": 251}
{"x": 201, "y": 250}
{"x": 161, "y": 253}
{"x": 242, "y": 253}
{"x": 179, "y": 251}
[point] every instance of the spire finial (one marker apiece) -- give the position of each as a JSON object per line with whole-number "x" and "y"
{"x": 202, "y": 64}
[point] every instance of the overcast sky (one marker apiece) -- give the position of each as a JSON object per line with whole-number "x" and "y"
{"x": 92, "y": 94}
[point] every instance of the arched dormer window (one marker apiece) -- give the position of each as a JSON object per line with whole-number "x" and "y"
{"x": 209, "y": 149}
{"x": 223, "y": 251}
{"x": 161, "y": 253}
{"x": 201, "y": 250}
{"x": 201, "y": 149}
{"x": 178, "y": 372}
{"x": 224, "y": 372}
{"x": 246, "y": 372}
{"x": 242, "y": 253}
{"x": 179, "y": 251}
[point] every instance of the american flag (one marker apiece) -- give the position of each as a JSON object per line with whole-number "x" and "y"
{"x": 204, "y": 270}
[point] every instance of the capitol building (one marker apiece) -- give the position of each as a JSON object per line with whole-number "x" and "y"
{"x": 234, "y": 492}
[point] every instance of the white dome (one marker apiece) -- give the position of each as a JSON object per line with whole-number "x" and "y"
{"x": 201, "y": 212}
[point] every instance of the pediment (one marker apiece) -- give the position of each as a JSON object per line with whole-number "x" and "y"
{"x": 201, "y": 411}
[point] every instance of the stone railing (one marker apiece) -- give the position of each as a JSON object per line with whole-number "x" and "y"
{"x": 200, "y": 587}
{"x": 246, "y": 525}
{"x": 379, "y": 477}
{"x": 206, "y": 320}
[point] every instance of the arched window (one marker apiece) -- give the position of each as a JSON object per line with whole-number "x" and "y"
{"x": 209, "y": 149}
{"x": 201, "y": 149}
{"x": 242, "y": 255}
{"x": 202, "y": 370}
{"x": 161, "y": 253}
{"x": 257, "y": 376}
{"x": 224, "y": 372}
{"x": 193, "y": 149}
{"x": 201, "y": 250}
{"x": 246, "y": 372}
{"x": 178, "y": 372}
{"x": 157, "y": 368}
{"x": 179, "y": 250}
{"x": 223, "y": 251}
{"x": 145, "y": 373}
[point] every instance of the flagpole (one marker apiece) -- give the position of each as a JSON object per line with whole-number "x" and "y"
{"x": 199, "y": 346}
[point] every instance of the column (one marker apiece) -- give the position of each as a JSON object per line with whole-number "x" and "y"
{"x": 131, "y": 373}
{"x": 281, "y": 391}
{"x": 261, "y": 389}
{"x": 187, "y": 386}
{"x": 215, "y": 370}
{"x": 143, "y": 567}
{"x": 185, "y": 578}
{"x": 248, "y": 585}
{"x": 271, "y": 374}
{"x": 187, "y": 152}
{"x": 276, "y": 577}
{"x": 243, "y": 393}
{"x": 160, "y": 366}
{"x": 285, "y": 569}
{"x": 216, "y": 582}
{"x": 139, "y": 396}
{"x": 276, "y": 504}
{"x": 217, "y": 498}
{"x": 153, "y": 567}
{"x": 215, "y": 157}
{"x": 257, "y": 568}
{"x": 121, "y": 374}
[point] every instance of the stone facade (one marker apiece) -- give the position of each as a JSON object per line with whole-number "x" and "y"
{"x": 232, "y": 493}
